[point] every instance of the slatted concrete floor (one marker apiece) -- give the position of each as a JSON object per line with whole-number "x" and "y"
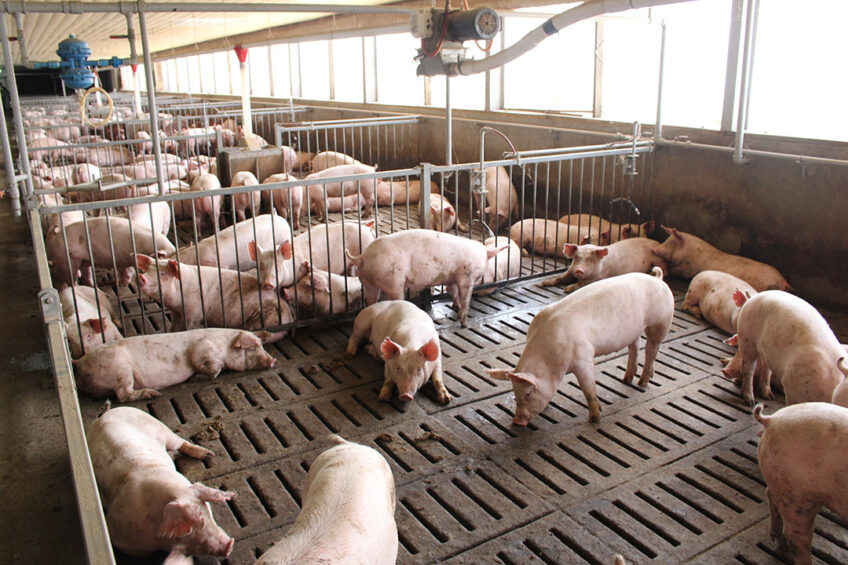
{"x": 668, "y": 476}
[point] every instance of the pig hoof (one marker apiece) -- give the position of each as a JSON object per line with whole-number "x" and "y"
{"x": 571, "y": 288}
{"x": 627, "y": 379}
{"x": 385, "y": 397}
{"x": 148, "y": 393}
{"x": 549, "y": 282}
{"x": 350, "y": 352}
{"x": 594, "y": 418}
{"x": 444, "y": 397}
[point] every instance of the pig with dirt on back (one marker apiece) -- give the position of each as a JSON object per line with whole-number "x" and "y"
{"x": 710, "y": 296}
{"x": 320, "y": 293}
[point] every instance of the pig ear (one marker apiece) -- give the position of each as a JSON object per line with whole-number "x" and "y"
{"x": 174, "y": 268}
{"x": 179, "y": 518}
{"x": 604, "y": 238}
{"x": 626, "y": 232}
{"x": 390, "y": 349}
{"x": 648, "y": 227}
{"x": 288, "y": 294}
{"x": 370, "y": 224}
{"x": 96, "y": 324}
{"x": 143, "y": 262}
{"x": 263, "y": 336}
{"x": 569, "y": 249}
{"x": 602, "y": 252}
{"x": 739, "y": 297}
{"x": 732, "y": 340}
{"x": 523, "y": 378}
{"x": 499, "y": 374}
{"x": 253, "y": 250}
{"x": 286, "y": 249}
{"x": 246, "y": 340}
{"x": 209, "y": 494}
{"x": 430, "y": 350}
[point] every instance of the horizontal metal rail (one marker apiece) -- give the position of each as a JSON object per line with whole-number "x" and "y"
{"x": 356, "y": 122}
{"x": 78, "y": 7}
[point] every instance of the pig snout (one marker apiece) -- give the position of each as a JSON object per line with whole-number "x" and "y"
{"x": 226, "y": 548}
{"x": 267, "y": 286}
{"x": 405, "y": 397}
{"x": 579, "y": 272}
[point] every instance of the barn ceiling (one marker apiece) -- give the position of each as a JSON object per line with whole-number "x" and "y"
{"x": 167, "y": 30}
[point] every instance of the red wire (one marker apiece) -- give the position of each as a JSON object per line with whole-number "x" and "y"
{"x": 442, "y": 35}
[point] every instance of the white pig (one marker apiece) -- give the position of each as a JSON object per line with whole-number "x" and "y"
{"x": 688, "y": 255}
{"x": 86, "y": 326}
{"x": 136, "y": 368}
{"x": 549, "y": 236}
{"x": 246, "y": 200}
{"x": 281, "y": 198}
{"x": 503, "y": 266}
{"x": 155, "y": 216}
{"x": 327, "y": 159}
{"x": 275, "y": 265}
{"x": 336, "y": 191}
{"x": 793, "y": 341}
{"x": 442, "y": 213}
{"x": 501, "y": 197}
{"x": 610, "y": 231}
{"x": 348, "y": 512}
{"x": 710, "y": 296}
{"x": 802, "y": 458}
{"x": 150, "y": 506}
{"x": 417, "y": 259}
{"x": 401, "y": 192}
{"x": 303, "y": 160}
{"x": 591, "y": 263}
{"x": 316, "y": 289}
{"x": 567, "y": 335}
{"x": 402, "y": 335}
{"x": 231, "y": 248}
{"x": 199, "y": 295}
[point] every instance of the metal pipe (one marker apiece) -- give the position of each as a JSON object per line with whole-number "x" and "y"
{"x": 743, "y": 82}
{"x": 14, "y": 193}
{"x": 78, "y": 7}
{"x": 801, "y": 159}
{"x": 19, "y": 24}
{"x": 658, "y": 125}
{"x": 448, "y": 124}
{"x": 153, "y": 112}
{"x": 553, "y": 25}
{"x": 16, "y": 106}
{"x": 732, "y": 65}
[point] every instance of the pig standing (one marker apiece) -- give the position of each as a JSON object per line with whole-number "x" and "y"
{"x": 136, "y": 368}
{"x": 313, "y": 246}
{"x": 505, "y": 265}
{"x": 608, "y": 230}
{"x": 327, "y": 159}
{"x": 126, "y": 237}
{"x": 149, "y": 506}
{"x": 230, "y": 248}
{"x": 501, "y": 197}
{"x": 341, "y": 195}
{"x": 417, "y": 259}
{"x": 402, "y": 335}
{"x": 592, "y": 263}
{"x": 198, "y": 295}
{"x": 209, "y": 206}
{"x": 315, "y": 291}
{"x": 86, "y": 326}
{"x": 688, "y": 255}
{"x": 793, "y": 341}
{"x": 348, "y": 512}
{"x": 155, "y": 216}
{"x": 549, "y": 236}
{"x": 278, "y": 199}
{"x": 567, "y": 335}
{"x": 710, "y": 296}
{"x": 802, "y": 458}
{"x": 246, "y": 200}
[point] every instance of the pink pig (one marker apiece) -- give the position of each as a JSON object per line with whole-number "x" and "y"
{"x": 149, "y": 505}
{"x": 710, "y": 296}
{"x": 315, "y": 291}
{"x": 404, "y": 336}
{"x": 548, "y": 236}
{"x": 88, "y": 319}
{"x": 246, "y": 200}
{"x": 278, "y": 199}
{"x": 501, "y": 197}
{"x": 608, "y": 230}
{"x": 567, "y": 335}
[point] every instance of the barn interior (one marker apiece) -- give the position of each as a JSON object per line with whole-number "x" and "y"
{"x": 673, "y": 113}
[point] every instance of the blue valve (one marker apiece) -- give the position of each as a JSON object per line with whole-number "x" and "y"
{"x": 75, "y": 65}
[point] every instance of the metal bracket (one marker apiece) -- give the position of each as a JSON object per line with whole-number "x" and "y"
{"x": 51, "y": 307}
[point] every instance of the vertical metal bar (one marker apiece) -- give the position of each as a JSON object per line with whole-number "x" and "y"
{"x": 658, "y": 125}
{"x": 14, "y": 193}
{"x": 732, "y": 65}
{"x": 448, "y": 125}
{"x": 16, "y": 105}
{"x": 19, "y": 25}
{"x": 597, "y": 90}
{"x": 424, "y": 195}
{"x": 756, "y": 17}
{"x": 153, "y": 112}
{"x": 744, "y": 81}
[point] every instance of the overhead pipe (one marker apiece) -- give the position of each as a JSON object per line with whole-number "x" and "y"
{"x": 16, "y": 106}
{"x": 19, "y": 24}
{"x": 658, "y": 125}
{"x": 589, "y": 9}
{"x": 152, "y": 110}
{"x": 77, "y": 7}
{"x": 745, "y": 79}
{"x": 247, "y": 120}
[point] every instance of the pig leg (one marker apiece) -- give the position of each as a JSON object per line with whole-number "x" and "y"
{"x": 441, "y": 390}
{"x": 175, "y": 443}
{"x": 690, "y": 306}
{"x": 748, "y": 355}
{"x": 630, "y": 371}
{"x": 776, "y": 526}
{"x": 463, "y": 300}
{"x": 655, "y": 335}
{"x": 361, "y": 329}
{"x": 206, "y": 360}
{"x": 123, "y": 388}
{"x": 762, "y": 374}
{"x": 386, "y": 391}
{"x": 566, "y": 277}
{"x": 798, "y": 528}
{"x": 585, "y": 373}
{"x": 372, "y": 293}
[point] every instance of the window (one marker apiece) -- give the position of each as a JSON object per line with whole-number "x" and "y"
{"x": 397, "y": 82}
{"x": 260, "y": 81}
{"x": 171, "y": 73}
{"x": 222, "y": 73}
{"x": 347, "y": 69}
{"x": 281, "y": 73}
{"x": 182, "y": 74}
{"x": 315, "y": 68}
{"x": 207, "y": 73}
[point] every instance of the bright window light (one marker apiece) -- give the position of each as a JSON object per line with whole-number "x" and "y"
{"x": 397, "y": 82}
{"x": 347, "y": 68}
{"x": 315, "y": 69}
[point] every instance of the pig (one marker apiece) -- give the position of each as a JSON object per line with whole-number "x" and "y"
{"x": 146, "y": 146}
{"x": 505, "y": 265}
{"x": 303, "y": 160}
{"x": 86, "y": 173}
{"x": 710, "y": 296}
{"x": 59, "y": 149}
{"x": 149, "y": 506}
{"x": 802, "y": 458}
{"x": 840, "y": 393}
{"x": 401, "y": 192}
{"x": 290, "y": 158}
{"x": 402, "y": 335}
{"x": 198, "y": 295}
{"x": 417, "y": 259}
{"x": 85, "y": 325}
{"x": 147, "y": 170}
{"x": 612, "y": 232}
{"x": 567, "y": 335}
{"x": 204, "y": 206}
{"x": 136, "y": 368}
{"x": 334, "y": 191}
{"x": 155, "y": 216}
{"x": 793, "y": 341}
{"x": 348, "y": 511}
{"x": 501, "y": 197}
{"x": 246, "y": 200}
{"x": 55, "y": 221}
{"x": 442, "y": 213}
{"x": 548, "y": 236}
{"x": 230, "y": 248}
{"x": 316, "y": 289}
{"x": 278, "y": 199}
{"x": 275, "y": 265}
{"x": 126, "y": 238}
{"x": 108, "y": 156}
{"x": 327, "y": 159}
{"x": 591, "y": 263}
{"x": 688, "y": 255}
